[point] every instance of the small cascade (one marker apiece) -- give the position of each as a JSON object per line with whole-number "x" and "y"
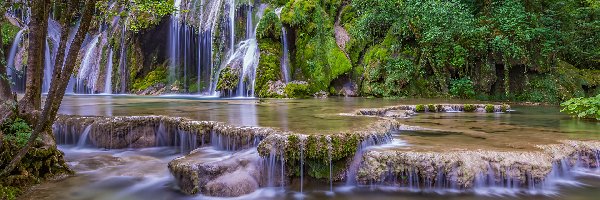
{"x": 329, "y": 148}
{"x": 50, "y": 54}
{"x": 83, "y": 140}
{"x": 108, "y": 77}
{"x": 17, "y": 76}
{"x": 302, "y": 143}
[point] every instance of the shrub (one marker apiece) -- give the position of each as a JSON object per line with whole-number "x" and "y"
{"x": 504, "y": 107}
{"x": 159, "y": 75}
{"x": 420, "y": 108}
{"x": 489, "y": 108}
{"x": 469, "y": 108}
{"x": 588, "y": 108}
{"x": 462, "y": 88}
{"x": 297, "y": 89}
{"x": 431, "y": 108}
{"x": 17, "y": 131}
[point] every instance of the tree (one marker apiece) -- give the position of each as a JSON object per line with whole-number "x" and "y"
{"x": 61, "y": 74}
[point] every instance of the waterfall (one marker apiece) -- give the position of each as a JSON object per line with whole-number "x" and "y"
{"x": 249, "y": 53}
{"x": 285, "y": 57}
{"x": 174, "y": 42}
{"x": 48, "y": 69}
{"x": 83, "y": 140}
{"x": 108, "y": 77}
{"x": 329, "y": 148}
{"x": 50, "y": 54}
{"x": 232, "y": 26}
{"x": 85, "y": 70}
{"x": 123, "y": 72}
{"x": 12, "y": 71}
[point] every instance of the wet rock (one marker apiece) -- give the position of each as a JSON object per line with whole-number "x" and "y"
{"x": 381, "y": 112}
{"x": 465, "y": 169}
{"x": 321, "y": 95}
{"x": 230, "y": 177}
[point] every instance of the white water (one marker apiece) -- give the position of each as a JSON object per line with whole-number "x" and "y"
{"x": 11, "y": 67}
{"x": 86, "y": 77}
{"x": 108, "y": 77}
{"x": 48, "y": 69}
{"x": 285, "y": 57}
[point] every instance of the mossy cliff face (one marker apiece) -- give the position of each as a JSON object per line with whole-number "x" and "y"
{"x": 316, "y": 53}
{"x": 270, "y": 45}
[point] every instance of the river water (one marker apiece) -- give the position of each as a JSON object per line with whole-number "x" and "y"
{"x": 143, "y": 174}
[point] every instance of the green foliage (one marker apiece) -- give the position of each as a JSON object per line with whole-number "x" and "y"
{"x": 489, "y": 108}
{"x": 420, "y": 108}
{"x": 148, "y": 13}
{"x": 17, "y": 131}
{"x": 469, "y": 108}
{"x": 159, "y": 75}
{"x": 9, "y": 32}
{"x": 297, "y": 90}
{"x": 269, "y": 26}
{"x": 8, "y": 192}
{"x": 504, "y": 107}
{"x": 462, "y": 88}
{"x": 588, "y": 108}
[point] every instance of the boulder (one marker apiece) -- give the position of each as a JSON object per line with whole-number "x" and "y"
{"x": 231, "y": 176}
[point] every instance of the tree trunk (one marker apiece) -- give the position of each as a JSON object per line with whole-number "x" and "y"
{"x": 58, "y": 86}
{"x": 38, "y": 30}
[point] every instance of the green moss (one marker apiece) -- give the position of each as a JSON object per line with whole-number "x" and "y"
{"x": 159, "y": 75}
{"x": 504, "y": 107}
{"x": 431, "y": 108}
{"x": 228, "y": 79}
{"x": 420, "y": 108}
{"x": 297, "y": 90}
{"x": 269, "y": 26}
{"x": 469, "y": 108}
{"x": 269, "y": 66}
{"x": 489, "y": 108}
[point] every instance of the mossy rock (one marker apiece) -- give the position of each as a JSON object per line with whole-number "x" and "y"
{"x": 469, "y": 108}
{"x": 229, "y": 79}
{"x": 420, "y": 108}
{"x": 490, "y": 108}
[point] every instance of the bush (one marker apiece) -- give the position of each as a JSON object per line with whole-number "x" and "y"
{"x": 17, "y": 131}
{"x": 297, "y": 89}
{"x": 490, "y": 108}
{"x": 588, "y": 108}
{"x": 8, "y": 192}
{"x": 504, "y": 107}
{"x": 469, "y": 108}
{"x": 431, "y": 108}
{"x": 420, "y": 108}
{"x": 462, "y": 88}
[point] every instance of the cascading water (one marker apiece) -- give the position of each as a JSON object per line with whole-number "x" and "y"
{"x": 285, "y": 57}
{"x": 86, "y": 77}
{"x": 48, "y": 68}
{"x": 18, "y": 78}
{"x": 108, "y": 77}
